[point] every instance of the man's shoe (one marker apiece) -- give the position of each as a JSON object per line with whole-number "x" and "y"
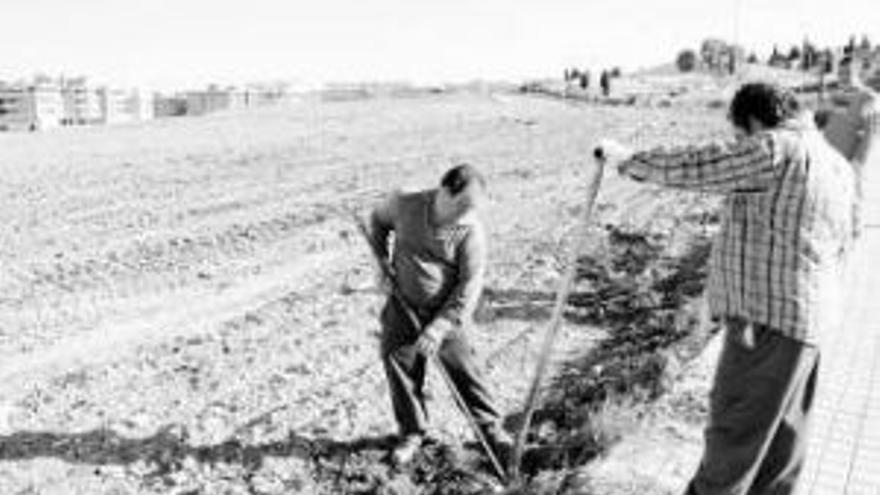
{"x": 406, "y": 449}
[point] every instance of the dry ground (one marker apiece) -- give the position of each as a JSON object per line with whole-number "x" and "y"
{"x": 185, "y": 306}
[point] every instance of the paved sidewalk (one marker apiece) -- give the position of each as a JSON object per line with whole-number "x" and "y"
{"x": 844, "y": 456}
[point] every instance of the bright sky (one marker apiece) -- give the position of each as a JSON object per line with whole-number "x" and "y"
{"x": 188, "y": 43}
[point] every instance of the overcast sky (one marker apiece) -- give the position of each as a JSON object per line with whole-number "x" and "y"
{"x": 187, "y": 43}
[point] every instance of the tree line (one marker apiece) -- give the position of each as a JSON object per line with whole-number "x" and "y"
{"x": 717, "y": 55}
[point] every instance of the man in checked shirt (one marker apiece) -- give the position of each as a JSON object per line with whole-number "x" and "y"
{"x": 786, "y": 222}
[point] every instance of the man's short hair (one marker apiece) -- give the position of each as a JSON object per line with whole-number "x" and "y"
{"x": 459, "y": 177}
{"x": 769, "y": 104}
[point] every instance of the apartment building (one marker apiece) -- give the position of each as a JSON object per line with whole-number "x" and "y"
{"x": 82, "y": 103}
{"x": 124, "y": 106}
{"x": 215, "y": 99}
{"x": 30, "y": 108}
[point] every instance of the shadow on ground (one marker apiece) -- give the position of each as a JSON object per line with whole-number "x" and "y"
{"x": 514, "y": 304}
{"x": 648, "y": 301}
{"x": 166, "y": 449}
{"x": 607, "y": 280}
{"x": 330, "y": 466}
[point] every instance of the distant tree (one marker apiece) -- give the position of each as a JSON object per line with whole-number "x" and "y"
{"x": 865, "y": 44}
{"x": 777, "y": 59}
{"x": 719, "y": 56}
{"x": 736, "y": 53}
{"x": 686, "y": 61}
{"x": 809, "y": 55}
{"x": 752, "y": 58}
{"x": 829, "y": 61}
{"x": 794, "y": 54}
{"x": 615, "y": 72}
{"x": 712, "y": 52}
{"x": 850, "y": 46}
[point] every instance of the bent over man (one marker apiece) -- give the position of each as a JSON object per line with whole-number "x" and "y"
{"x": 439, "y": 259}
{"x": 786, "y": 223}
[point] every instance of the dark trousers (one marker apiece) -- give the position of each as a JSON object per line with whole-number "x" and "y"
{"x": 405, "y": 369}
{"x": 759, "y": 407}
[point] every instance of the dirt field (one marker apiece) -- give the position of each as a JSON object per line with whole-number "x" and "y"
{"x": 186, "y": 307}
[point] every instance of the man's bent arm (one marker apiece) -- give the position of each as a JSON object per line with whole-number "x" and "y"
{"x": 472, "y": 259}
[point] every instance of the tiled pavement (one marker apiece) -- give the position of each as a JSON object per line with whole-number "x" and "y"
{"x": 844, "y": 456}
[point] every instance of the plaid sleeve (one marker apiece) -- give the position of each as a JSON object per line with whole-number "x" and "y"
{"x": 742, "y": 165}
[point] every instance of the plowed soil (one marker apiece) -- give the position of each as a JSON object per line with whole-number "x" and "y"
{"x": 186, "y": 306}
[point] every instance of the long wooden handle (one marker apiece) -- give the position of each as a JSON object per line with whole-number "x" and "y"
{"x": 556, "y": 320}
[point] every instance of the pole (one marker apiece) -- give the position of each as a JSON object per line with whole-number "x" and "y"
{"x": 556, "y": 320}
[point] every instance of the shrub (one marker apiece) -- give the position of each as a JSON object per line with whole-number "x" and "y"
{"x": 686, "y": 61}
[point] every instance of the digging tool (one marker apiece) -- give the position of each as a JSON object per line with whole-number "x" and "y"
{"x": 396, "y": 292}
{"x": 556, "y": 319}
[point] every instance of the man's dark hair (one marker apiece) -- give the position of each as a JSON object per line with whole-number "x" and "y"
{"x": 768, "y": 103}
{"x": 459, "y": 177}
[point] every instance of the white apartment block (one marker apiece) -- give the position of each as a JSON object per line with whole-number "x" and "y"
{"x": 123, "y": 106}
{"x": 82, "y": 104}
{"x": 47, "y": 102}
{"x": 30, "y": 108}
{"x": 215, "y": 100}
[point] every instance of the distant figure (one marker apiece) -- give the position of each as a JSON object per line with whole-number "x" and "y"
{"x": 585, "y": 80}
{"x": 605, "y": 83}
{"x": 439, "y": 260}
{"x": 774, "y": 281}
{"x": 854, "y": 131}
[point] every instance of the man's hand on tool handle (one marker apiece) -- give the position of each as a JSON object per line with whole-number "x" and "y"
{"x": 610, "y": 151}
{"x": 430, "y": 339}
{"x": 383, "y": 285}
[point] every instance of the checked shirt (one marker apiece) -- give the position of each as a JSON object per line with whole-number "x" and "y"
{"x": 786, "y": 222}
